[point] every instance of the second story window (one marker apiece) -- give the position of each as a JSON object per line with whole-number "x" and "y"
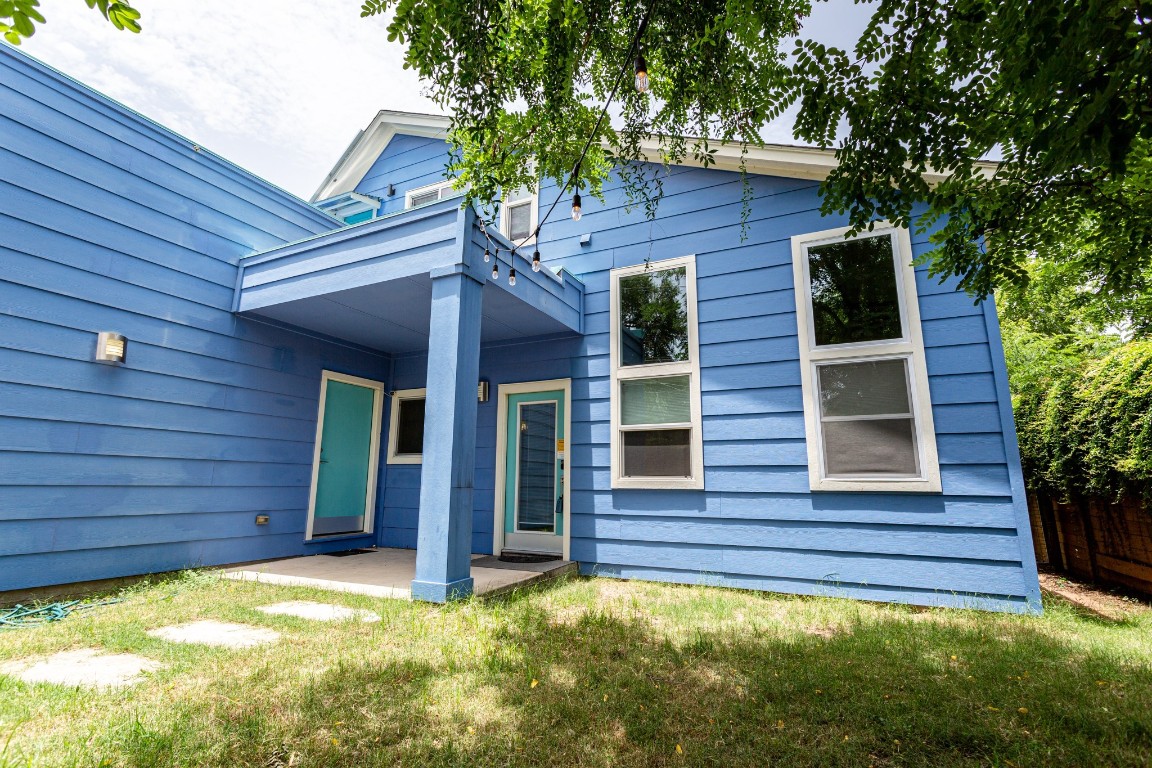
{"x": 518, "y": 215}
{"x": 414, "y": 198}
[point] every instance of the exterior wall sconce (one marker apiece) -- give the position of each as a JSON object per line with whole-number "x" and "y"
{"x": 391, "y": 189}
{"x": 482, "y": 391}
{"x": 111, "y": 348}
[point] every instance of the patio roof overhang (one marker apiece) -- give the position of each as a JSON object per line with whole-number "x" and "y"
{"x": 371, "y": 283}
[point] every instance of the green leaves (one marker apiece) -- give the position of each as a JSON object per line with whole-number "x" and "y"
{"x": 525, "y": 81}
{"x": 1059, "y": 90}
{"x": 18, "y": 18}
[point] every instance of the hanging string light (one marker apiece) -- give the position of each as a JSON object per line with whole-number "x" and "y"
{"x": 487, "y": 255}
{"x": 641, "y": 81}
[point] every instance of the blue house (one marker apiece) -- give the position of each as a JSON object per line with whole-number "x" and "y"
{"x": 198, "y": 368}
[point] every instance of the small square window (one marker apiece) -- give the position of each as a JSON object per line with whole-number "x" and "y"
{"x": 406, "y": 428}
{"x": 518, "y": 215}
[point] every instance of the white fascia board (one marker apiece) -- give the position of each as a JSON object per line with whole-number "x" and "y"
{"x": 365, "y": 148}
{"x": 787, "y": 161}
{"x": 791, "y": 162}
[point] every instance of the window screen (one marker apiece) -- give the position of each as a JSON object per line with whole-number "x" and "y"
{"x": 866, "y": 419}
{"x": 658, "y": 453}
{"x": 654, "y": 317}
{"x": 854, "y": 294}
{"x": 519, "y": 220}
{"x": 410, "y": 427}
{"x": 423, "y": 198}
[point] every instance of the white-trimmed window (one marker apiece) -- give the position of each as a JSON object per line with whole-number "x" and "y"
{"x": 867, "y": 411}
{"x": 406, "y": 427}
{"x": 442, "y": 190}
{"x": 518, "y": 215}
{"x": 656, "y": 438}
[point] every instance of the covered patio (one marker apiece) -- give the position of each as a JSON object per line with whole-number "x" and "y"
{"x": 389, "y": 573}
{"x": 417, "y": 281}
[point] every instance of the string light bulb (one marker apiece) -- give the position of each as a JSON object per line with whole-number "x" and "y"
{"x": 487, "y": 255}
{"x": 496, "y": 270}
{"x": 536, "y": 261}
{"x": 512, "y": 276}
{"x": 576, "y": 213}
{"x": 641, "y": 74}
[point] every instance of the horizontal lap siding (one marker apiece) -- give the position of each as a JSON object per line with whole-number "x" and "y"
{"x": 757, "y": 524}
{"x": 503, "y": 363}
{"x": 109, "y": 223}
{"x": 407, "y": 163}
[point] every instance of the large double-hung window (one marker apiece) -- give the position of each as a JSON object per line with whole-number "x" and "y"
{"x": 867, "y": 410}
{"x": 656, "y": 440}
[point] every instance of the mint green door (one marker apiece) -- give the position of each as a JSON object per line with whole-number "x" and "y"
{"x": 534, "y": 472}
{"x": 345, "y": 475}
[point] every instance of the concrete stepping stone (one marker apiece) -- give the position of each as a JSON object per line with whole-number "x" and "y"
{"x": 306, "y": 609}
{"x": 216, "y": 633}
{"x": 84, "y": 668}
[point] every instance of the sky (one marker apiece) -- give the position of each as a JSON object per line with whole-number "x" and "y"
{"x": 272, "y": 85}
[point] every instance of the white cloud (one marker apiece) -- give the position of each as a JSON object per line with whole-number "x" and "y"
{"x": 272, "y": 85}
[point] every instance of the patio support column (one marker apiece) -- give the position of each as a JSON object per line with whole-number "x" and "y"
{"x": 444, "y": 542}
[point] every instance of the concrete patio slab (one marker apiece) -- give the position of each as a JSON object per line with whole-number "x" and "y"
{"x": 83, "y": 668}
{"x": 217, "y": 633}
{"x": 306, "y": 609}
{"x": 385, "y": 573}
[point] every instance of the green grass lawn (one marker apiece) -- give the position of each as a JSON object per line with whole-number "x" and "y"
{"x": 591, "y": 672}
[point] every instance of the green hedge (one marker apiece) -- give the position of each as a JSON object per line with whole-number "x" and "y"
{"x": 1084, "y": 417}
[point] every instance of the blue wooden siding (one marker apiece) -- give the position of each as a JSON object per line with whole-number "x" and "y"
{"x": 756, "y": 525}
{"x": 407, "y": 163}
{"x": 108, "y": 222}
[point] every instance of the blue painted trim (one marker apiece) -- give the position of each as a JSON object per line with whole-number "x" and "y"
{"x": 1012, "y": 451}
{"x": 432, "y": 592}
{"x": 447, "y": 477}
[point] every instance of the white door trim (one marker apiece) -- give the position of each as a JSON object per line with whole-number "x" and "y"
{"x": 521, "y": 388}
{"x": 373, "y": 451}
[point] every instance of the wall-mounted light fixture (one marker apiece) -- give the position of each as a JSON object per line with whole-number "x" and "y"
{"x": 391, "y": 189}
{"x": 482, "y": 391}
{"x": 111, "y": 348}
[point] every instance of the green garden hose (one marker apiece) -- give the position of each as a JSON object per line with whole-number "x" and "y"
{"x": 24, "y": 616}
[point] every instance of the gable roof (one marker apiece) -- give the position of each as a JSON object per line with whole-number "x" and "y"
{"x": 370, "y": 142}
{"x": 786, "y": 160}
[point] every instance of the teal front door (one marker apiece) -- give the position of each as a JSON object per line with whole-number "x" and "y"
{"x": 344, "y": 477}
{"x": 534, "y": 472}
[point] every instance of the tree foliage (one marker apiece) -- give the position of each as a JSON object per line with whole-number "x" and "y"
{"x": 525, "y": 80}
{"x": 1081, "y": 382}
{"x": 1061, "y": 89}
{"x": 18, "y": 18}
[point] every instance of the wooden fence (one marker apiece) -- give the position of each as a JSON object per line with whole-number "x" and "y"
{"x": 1095, "y": 539}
